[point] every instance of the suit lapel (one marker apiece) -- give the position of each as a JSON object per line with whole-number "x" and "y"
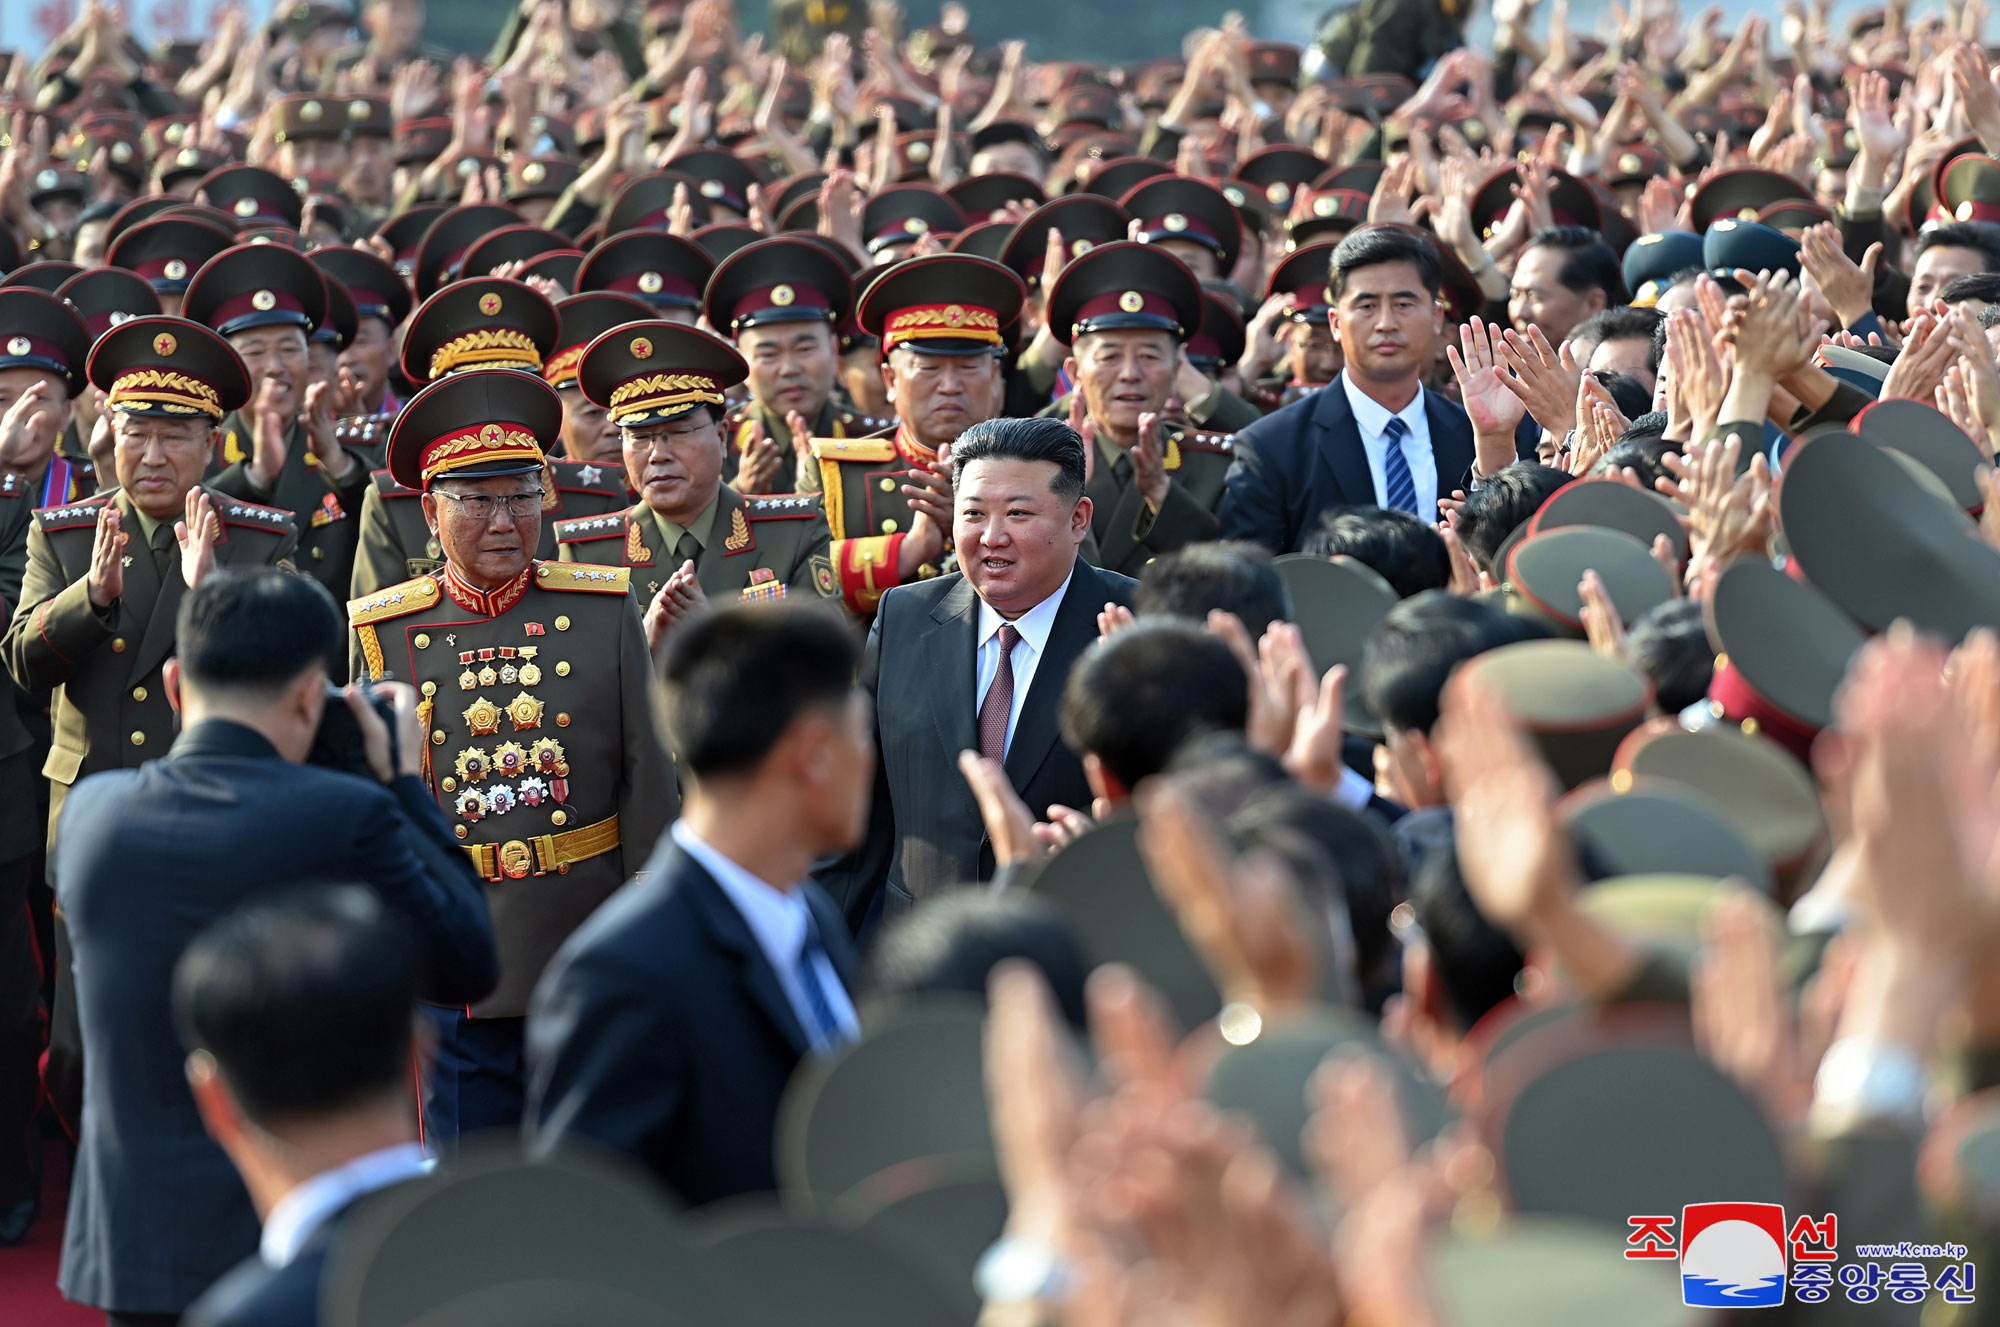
{"x": 1070, "y": 635}
{"x": 732, "y": 935}
{"x": 1340, "y": 451}
{"x": 948, "y": 651}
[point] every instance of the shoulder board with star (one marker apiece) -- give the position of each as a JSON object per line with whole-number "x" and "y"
{"x": 582, "y": 576}
{"x": 781, "y": 506}
{"x": 249, "y": 513}
{"x": 856, "y": 424}
{"x": 77, "y": 513}
{"x": 579, "y": 529}
{"x": 13, "y": 486}
{"x": 386, "y": 485}
{"x": 853, "y": 449}
{"x": 584, "y": 477}
{"x": 408, "y": 597}
{"x": 362, "y": 430}
{"x": 1221, "y": 443}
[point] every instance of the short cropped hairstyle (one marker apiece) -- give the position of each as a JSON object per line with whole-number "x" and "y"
{"x": 1394, "y": 544}
{"x": 258, "y": 630}
{"x": 1374, "y": 246}
{"x": 1622, "y": 322}
{"x": 733, "y": 681}
{"x": 1031, "y": 439}
{"x": 1194, "y": 581}
{"x": 1417, "y": 644}
{"x": 1669, "y": 643}
{"x": 305, "y": 999}
{"x": 1588, "y": 262}
{"x": 1475, "y": 962}
{"x": 1982, "y": 286}
{"x": 952, "y": 942}
{"x": 1983, "y": 236}
{"x": 1135, "y": 698}
{"x": 1497, "y": 507}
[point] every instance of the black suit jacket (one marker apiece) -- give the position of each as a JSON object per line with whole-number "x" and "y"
{"x": 1298, "y": 462}
{"x": 255, "y": 1294}
{"x": 150, "y": 857}
{"x": 660, "y": 1029}
{"x": 924, "y": 829}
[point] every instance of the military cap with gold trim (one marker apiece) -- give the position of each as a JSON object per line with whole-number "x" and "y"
{"x": 441, "y": 252}
{"x": 510, "y": 244}
{"x": 39, "y": 331}
{"x": 1570, "y": 201}
{"x": 906, "y": 212}
{"x": 167, "y": 251}
{"x": 1177, "y": 207}
{"x": 539, "y": 177}
{"x": 307, "y": 115}
{"x": 645, "y": 202}
{"x": 378, "y": 290}
{"x": 251, "y": 194}
{"x": 1742, "y": 194}
{"x": 1124, "y": 285}
{"x": 650, "y": 372}
{"x": 719, "y": 177}
{"x": 1280, "y": 171}
{"x": 1084, "y": 221}
{"x": 473, "y": 425}
{"x": 943, "y": 304}
{"x": 1219, "y": 342}
{"x": 107, "y": 296}
{"x": 781, "y": 195}
{"x": 486, "y": 322}
{"x": 582, "y": 319}
{"x": 1306, "y": 275}
{"x": 256, "y": 285}
{"x": 168, "y": 366}
{"x": 985, "y": 197}
{"x": 1121, "y": 175}
{"x": 166, "y": 132}
{"x": 47, "y": 275}
{"x": 664, "y": 270}
{"x": 782, "y": 279}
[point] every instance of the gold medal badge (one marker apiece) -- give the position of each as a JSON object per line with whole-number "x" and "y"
{"x": 482, "y": 717}
{"x": 509, "y": 759}
{"x": 472, "y": 765}
{"x": 525, "y": 711}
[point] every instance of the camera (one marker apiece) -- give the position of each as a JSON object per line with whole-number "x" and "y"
{"x": 338, "y": 745}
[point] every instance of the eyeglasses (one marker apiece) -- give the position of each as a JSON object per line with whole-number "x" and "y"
{"x": 480, "y": 506}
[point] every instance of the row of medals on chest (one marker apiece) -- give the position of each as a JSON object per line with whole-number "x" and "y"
{"x": 480, "y": 775}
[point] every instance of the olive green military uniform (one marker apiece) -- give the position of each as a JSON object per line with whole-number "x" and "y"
{"x": 327, "y": 511}
{"x": 1129, "y": 535}
{"x": 1219, "y": 411}
{"x": 396, "y": 542}
{"x": 540, "y": 745}
{"x": 745, "y": 547}
{"x": 833, "y": 421}
{"x": 861, "y": 487}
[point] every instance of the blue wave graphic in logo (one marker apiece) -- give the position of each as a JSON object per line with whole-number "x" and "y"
{"x": 1708, "y": 1293}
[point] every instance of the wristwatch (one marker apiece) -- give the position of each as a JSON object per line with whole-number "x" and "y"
{"x": 1016, "y": 1269}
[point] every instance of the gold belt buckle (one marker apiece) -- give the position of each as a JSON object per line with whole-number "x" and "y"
{"x": 516, "y": 859}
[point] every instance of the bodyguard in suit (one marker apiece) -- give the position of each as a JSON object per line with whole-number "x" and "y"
{"x": 976, "y": 662}
{"x": 230, "y": 815}
{"x": 298, "y": 1015}
{"x": 1375, "y": 436}
{"x": 670, "y": 1022}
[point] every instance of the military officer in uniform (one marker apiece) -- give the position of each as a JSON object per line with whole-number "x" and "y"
{"x": 396, "y": 543}
{"x": 1125, "y": 309}
{"x": 167, "y": 252}
{"x": 105, "y": 577}
{"x": 942, "y": 322}
{"x": 781, "y": 300}
{"x": 666, "y": 271}
{"x": 280, "y": 450}
{"x": 381, "y": 302}
{"x": 533, "y": 681}
{"x": 690, "y": 538}
{"x": 1309, "y": 356}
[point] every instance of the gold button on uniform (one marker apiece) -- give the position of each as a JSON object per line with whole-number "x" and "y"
{"x": 888, "y": 486}
{"x": 460, "y": 830}
{"x": 562, "y": 721}
{"x": 118, "y": 645}
{"x": 423, "y": 641}
{"x": 138, "y": 739}
{"x": 437, "y": 739}
{"x": 558, "y": 818}
{"x": 448, "y": 784}
{"x": 562, "y": 624}
{"x": 430, "y": 688}
{"x": 138, "y": 693}
{"x": 318, "y": 553}
{"x": 562, "y": 666}
{"x": 889, "y": 526}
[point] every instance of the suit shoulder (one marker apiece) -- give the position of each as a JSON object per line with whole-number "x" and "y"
{"x": 234, "y": 512}
{"x": 410, "y": 596}
{"x": 253, "y": 1293}
{"x": 582, "y": 576}
{"x": 386, "y": 485}
{"x": 51, "y": 519}
{"x": 853, "y": 449}
{"x": 583, "y": 477}
{"x": 581, "y": 529}
{"x": 782, "y": 506}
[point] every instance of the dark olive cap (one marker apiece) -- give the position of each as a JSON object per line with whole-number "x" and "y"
{"x": 1760, "y": 786}
{"x": 1124, "y": 285}
{"x": 1547, "y": 566}
{"x": 1576, "y": 704}
{"x": 1652, "y": 826}
{"x": 1782, "y": 650}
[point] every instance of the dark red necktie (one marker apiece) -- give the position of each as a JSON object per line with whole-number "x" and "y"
{"x": 999, "y": 703}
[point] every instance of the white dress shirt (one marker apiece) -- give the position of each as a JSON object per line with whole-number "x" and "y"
{"x": 306, "y": 1208}
{"x": 1034, "y": 626}
{"x": 1371, "y": 419}
{"x": 779, "y": 920}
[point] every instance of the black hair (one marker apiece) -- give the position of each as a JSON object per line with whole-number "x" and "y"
{"x": 1627, "y": 392}
{"x": 734, "y": 680}
{"x": 304, "y": 999}
{"x": 1135, "y": 697}
{"x": 1497, "y": 507}
{"x": 1234, "y": 576}
{"x": 1475, "y": 962}
{"x": 1374, "y": 246}
{"x": 1222, "y": 772}
{"x": 1983, "y": 236}
{"x": 953, "y": 940}
{"x": 1395, "y": 544}
{"x": 1989, "y": 317}
{"x": 1622, "y": 322}
{"x": 1643, "y": 451}
{"x": 1982, "y": 286}
{"x": 1031, "y": 439}
{"x": 1588, "y": 262}
{"x": 259, "y": 629}
{"x": 1669, "y": 643}
{"x": 1417, "y": 644}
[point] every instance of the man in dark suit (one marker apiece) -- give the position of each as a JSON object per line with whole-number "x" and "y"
{"x": 977, "y": 662}
{"x": 299, "y": 1015}
{"x": 1375, "y": 436}
{"x": 668, "y": 1024}
{"x": 156, "y": 1213}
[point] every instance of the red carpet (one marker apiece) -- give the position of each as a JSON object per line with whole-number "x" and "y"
{"x": 28, "y": 1295}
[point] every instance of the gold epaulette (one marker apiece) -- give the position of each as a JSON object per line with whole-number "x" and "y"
{"x": 582, "y": 576}
{"x": 854, "y": 449}
{"x": 408, "y": 597}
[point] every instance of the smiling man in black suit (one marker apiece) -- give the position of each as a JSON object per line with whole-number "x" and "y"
{"x": 977, "y": 662}
{"x": 1375, "y": 436}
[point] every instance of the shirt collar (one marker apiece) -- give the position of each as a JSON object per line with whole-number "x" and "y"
{"x": 487, "y": 603}
{"x": 779, "y": 918}
{"x": 703, "y": 525}
{"x": 308, "y": 1206}
{"x": 1034, "y": 625}
{"x": 1373, "y": 416}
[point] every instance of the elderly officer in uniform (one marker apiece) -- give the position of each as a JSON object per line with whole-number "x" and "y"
{"x": 490, "y": 322}
{"x": 1124, "y": 310}
{"x": 280, "y": 449}
{"x": 105, "y": 576}
{"x": 942, "y": 323}
{"x": 532, "y": 679}
{"x": 690, "y": 537}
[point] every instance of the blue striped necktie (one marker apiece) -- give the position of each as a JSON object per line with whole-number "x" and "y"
{"x": 1402, "y": 493}
{"x": 827, "y": 1031}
